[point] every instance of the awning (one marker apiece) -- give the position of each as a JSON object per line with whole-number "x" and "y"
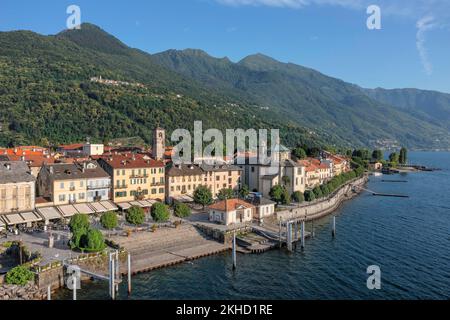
{"x": 21, "y": 218}
{"x": 30, "y": 217}
{"x": 136, "y": 204}
{"x": 124, "y": 205}
{"x": 2, "y": 224}
{"x": 109, "y": 205}
{"x": 83, "y": 208}
{"x": 147, "y": 203}
{"x": 68, "y": 210}
{"x": 49, "y": 213}
{"x": 97, "y": 206}
{"x": 184, "y": 199}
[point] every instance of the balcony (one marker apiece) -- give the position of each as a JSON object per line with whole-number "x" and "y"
{"x": 138, "y": 176}
{"x": 98, "y": 187}
{"x": 72, "y": 189}
{"x": 158, "y": 184}
{"x": 121, "y": 187}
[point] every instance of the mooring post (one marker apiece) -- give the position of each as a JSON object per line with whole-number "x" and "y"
{"x": 234, "y": 250}
{"x": 313, "y": 231}
{"x": 74, "y": 277}
{"x": 113, "y": 281}
{"x": 289, "y": 227}
{"x": 334, "y": 227}
{"x": 117, "y": 276}
{"x": 281, "y": 243}
{"x": 303, "y": 234}
{"x": 129, "y": 273}
{"x": 49, "y": 293}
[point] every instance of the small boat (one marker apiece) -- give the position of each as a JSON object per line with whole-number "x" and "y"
{"x": 377, "y": 174}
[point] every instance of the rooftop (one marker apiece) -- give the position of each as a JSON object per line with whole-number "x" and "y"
{"x": 231, "y": 205}
{"x": 73, "y": 171}
{"x": 15, "y": 172}
{"x": 131, "y": 161}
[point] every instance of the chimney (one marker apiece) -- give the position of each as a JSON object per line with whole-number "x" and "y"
{"x": 8, "y": 166}
{"x": 22, "y": 158}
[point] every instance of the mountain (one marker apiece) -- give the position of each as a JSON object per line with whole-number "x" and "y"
{"x": 47, "y": 94}
{"x": 431, "y": 106}
{"x": 328, "y": 106}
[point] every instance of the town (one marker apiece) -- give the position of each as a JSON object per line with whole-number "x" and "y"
{"x": 78, "y": 201}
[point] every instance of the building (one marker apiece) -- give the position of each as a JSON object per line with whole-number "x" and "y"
{"x": 182, "y": 180}
{"x": 135, "y": 177}
{"x": 261, "y": 177}
{"x": 17, "y": 187}
{"x": 90, "y": 149}
{"x": 218, "y": 177}
{"x": 74, "y": 183}
{"x": 264, "y": 207}
{"x": 159, "y": 144}
{"x": 232, "y": 211}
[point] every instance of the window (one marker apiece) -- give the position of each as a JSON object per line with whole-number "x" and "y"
{"x": 161, "y": 190}
{"x": 217, "y": 178}
{"x": 62, "y": 197}
{"x": 61, "y": 186}
{"x": 81, "y": 184}
{"x": 153, "y": 191}
{"x": 81, "y": 196}
{"x": 253, "y": 169}
{"x": 123, "y": 172}
{"x": 172, "y": 189}
{"x": 118, "y": 172}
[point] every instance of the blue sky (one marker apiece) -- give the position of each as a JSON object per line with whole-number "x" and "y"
{"x": 411, "y": 50}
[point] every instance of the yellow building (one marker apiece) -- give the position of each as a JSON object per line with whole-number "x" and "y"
{"x": 17, "y": 187}
{"x": 74, "y": 183}
{"x": 135, "y": 177}
{"x": 220, "y": 177}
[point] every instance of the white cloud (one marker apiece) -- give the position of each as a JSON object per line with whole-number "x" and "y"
{"x": 424, "y": 25}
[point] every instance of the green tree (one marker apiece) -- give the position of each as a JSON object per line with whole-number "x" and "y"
{"x": 203, "y": 196}
{"x": 299, "y": 153}
{"x": 309, "y": 196}
{"x": 135, "y": 216}
{"x": 403, "y": 157}
{"x": 318, "y": 192}
{"x": 378, "y": 155}
{"x": 19, "y": 276}
{"x": 285, "y": 197}
{"x": 244, "y": 191}
{"x": 394, "y": 158}
{"x": 277, "y": 194}
{"x": 109, "y": 220}
{"x": 298, "y": 197}
{"x": 325, "y": 190}
{"x": 160, "y": 212}
{"x": 93, "y": 241}
{"x": 181, "y": 210}
{"x": 225, "y": 193}
{"x": 286, "y": 180}
{"x": 79, "y": 222}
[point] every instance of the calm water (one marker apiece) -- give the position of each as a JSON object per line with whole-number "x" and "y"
{"x": 408, "y": 238}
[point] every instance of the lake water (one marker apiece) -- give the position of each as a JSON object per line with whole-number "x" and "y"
{"x": 409, "y": 239}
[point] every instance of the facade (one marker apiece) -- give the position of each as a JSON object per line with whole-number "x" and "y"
{"x": 17, "y": 187}
{"x": 264, "y": 208}
{"x": 232, "y": 211}
{"x": 182, "y": 180}
{"x": 93, "y": 149}
{"x": 135, "y": 177}
{"x": 220, "y": 177}
{"x": 74, "y": 183}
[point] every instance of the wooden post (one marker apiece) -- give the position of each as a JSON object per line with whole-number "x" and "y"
{"x": 313, "y": 231}
{"x": 289, "y": 235}
{"x": 117, "y": 264}
{"x": 234, "y": 250}
{"x": 129, "y": 274}
{"x": 333, "y": 232}
{"x": 49, "y": 293}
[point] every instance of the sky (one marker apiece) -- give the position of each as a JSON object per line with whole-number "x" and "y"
{"x": 411, "y": 50}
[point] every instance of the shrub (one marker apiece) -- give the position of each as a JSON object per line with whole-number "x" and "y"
{"x": 318, "y": 192}
{"x": 19, "y": 276}
{"x": 109, "y": 220}
{"x": 298, "y": 197}
{"x": 285, "y": 197}
{"x": 276, "y": 193}
{"x": 93, "y": 241}
{"x": 135, "y": 216}
{"x": 182, "y": 210}
{"x": 160, "y": 212}
{"x": 225, "y": 193}
{"x": 310, "y": 196}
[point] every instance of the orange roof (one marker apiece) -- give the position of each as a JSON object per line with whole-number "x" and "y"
{"x": 74, "y": 146}
{"x": 131, "y": 161}
{"x": 33, "y": 160}
{"x": 230, "y": 205}
{"x": 24, "y": 151}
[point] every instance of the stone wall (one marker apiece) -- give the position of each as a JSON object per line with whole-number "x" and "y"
{"x": 321, "y": 208}
{"x": 28, "y": 292}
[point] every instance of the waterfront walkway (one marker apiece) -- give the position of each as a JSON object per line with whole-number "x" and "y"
{"x": 166, "y": 247}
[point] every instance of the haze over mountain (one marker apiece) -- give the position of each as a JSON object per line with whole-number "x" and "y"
{"x": 51, "y": 95}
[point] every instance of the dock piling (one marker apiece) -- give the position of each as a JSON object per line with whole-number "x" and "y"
{"x": 234, "y": 251}
{"x": 303, "y": 234}
{"x": 333, "y": 232}
{"x": 280, "y": 229}
{"x": 49, "y": 293}
{"x": 74, "y": 291}
{"x": 129, "y": 273}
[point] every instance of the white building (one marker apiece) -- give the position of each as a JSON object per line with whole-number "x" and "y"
{"x": 232, "y": 211}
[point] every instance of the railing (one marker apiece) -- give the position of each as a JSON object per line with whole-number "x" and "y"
{"x": 121, "y": 187}
{"x": 98, "y": 187}
{"x": 158, "y": 184}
